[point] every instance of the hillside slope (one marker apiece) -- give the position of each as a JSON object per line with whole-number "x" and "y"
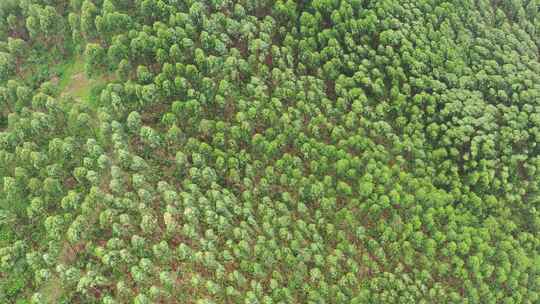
{"x": 325, "y": 151}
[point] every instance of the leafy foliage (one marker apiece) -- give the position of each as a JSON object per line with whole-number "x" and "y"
{"x": 323, "y": 151}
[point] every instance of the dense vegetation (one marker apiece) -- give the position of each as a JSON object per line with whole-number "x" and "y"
{"x": 257, "y": 151}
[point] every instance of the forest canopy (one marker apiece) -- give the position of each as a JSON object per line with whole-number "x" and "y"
{"x": 257, "y": 151}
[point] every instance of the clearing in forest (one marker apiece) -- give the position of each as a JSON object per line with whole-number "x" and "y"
{"x": 74, "y": 81}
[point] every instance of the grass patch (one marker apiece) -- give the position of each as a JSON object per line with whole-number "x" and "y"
{"x": 67, "y": 70}
{"x": 52, "y": 291}
{"x": 73, "y": 81}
